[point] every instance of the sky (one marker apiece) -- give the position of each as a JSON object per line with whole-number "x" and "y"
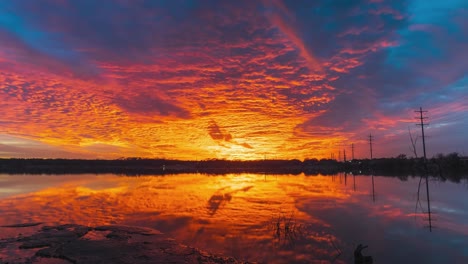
{"x": 244, "y": 79}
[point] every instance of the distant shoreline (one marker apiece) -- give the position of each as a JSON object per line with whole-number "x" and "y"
{"x": 444, "y": 166}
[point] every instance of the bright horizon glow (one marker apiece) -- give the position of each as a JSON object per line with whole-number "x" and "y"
{"x": 245, "y": 80}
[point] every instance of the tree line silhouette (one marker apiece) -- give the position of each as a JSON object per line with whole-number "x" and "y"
{"x": 451, "y": 166}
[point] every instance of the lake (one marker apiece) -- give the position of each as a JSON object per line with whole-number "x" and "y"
{"x": 256, "y": 217}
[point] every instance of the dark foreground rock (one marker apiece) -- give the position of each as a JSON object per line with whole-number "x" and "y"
{"x": 103, "y": 244}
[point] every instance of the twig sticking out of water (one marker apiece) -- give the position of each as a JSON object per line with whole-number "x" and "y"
{"x": 287, "y": 230}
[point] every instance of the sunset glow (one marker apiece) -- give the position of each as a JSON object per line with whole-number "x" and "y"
{"x": 230, "y": 79}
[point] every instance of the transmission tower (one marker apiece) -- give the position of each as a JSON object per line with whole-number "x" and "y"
{"x": 370, "y": 144}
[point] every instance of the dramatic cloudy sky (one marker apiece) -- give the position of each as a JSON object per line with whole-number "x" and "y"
{"x": 239, "y": 79}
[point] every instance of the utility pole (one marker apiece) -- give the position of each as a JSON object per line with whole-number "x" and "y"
{"x": 354, "y": 182}
{"x": 373, "y": 189}
{"x": 422, "y": 124}
{"x": 344, "y": 154}
{"x": 372, "y": 174}
{"x": 352, "y": 150}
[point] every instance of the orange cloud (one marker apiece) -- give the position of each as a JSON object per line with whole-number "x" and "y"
{"x": 234, "y": 81}
{"x": 312, "y": 62}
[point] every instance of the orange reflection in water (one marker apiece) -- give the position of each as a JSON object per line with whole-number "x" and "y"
{"x": 237, "y": 215}
{"x": 268, "y": 218}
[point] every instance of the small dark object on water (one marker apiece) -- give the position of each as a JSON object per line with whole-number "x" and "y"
{"x": 23, "y": 225}
{"x": 359, "y": 258}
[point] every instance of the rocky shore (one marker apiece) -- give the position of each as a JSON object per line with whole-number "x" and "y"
{"x": 73, "y": 243}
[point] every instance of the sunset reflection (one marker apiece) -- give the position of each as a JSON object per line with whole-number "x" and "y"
{"x": 237, "y": 215}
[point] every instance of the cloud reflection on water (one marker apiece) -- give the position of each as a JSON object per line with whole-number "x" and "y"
{"x": 236, "y": 214}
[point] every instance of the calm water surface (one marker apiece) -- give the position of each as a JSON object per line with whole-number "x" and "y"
{"x": 272, "y": 218}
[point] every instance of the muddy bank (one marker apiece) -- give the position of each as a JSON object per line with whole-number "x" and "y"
{"x": 72, "y": 243}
